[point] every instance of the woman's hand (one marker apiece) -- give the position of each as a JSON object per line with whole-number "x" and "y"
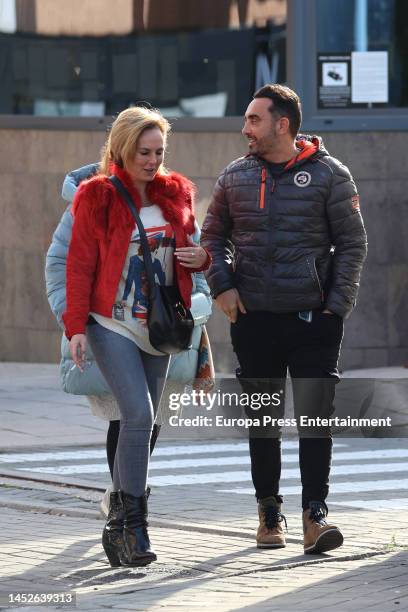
{"x": 77, "y": 347}
{"x": 192, "y": 256}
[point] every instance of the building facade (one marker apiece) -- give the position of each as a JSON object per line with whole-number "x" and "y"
{"x": 66, "y": 73}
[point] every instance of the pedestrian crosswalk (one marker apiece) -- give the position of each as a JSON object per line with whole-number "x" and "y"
{"x": 380, "y": 471}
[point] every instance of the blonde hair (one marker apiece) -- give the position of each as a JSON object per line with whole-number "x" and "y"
{"x": 125, "y": 132}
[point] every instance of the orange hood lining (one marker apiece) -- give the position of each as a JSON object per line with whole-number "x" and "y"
{"x": 308, "y": 148}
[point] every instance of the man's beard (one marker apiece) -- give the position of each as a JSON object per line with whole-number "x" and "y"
{"x": 265, "y": 145}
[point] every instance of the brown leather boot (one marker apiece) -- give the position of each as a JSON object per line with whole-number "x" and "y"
{"x": 270, "y": 531}
{"x": 318, "y": 535}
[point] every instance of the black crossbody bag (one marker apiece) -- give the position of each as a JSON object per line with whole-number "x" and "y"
{"x": 170, "y": 323}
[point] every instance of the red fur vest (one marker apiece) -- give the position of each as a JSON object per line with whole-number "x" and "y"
{"x": 101, "y": 233}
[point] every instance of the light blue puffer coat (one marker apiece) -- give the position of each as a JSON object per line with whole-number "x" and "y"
{"x": 91, "y": 381}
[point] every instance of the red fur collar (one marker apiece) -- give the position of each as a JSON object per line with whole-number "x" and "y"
{"x": 172, "y": 192}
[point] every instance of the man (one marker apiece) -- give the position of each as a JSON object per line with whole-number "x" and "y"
{"x": 288, "y": 244}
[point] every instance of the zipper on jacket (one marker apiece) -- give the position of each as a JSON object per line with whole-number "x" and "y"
{"x": 315, "y": 276}
{"x": 263, "y": 185}
{"x": 318, "y": 280}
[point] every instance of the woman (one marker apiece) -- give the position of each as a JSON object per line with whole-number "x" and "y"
{"x": 91, "y": 382}
{"x": 106, "y": 298}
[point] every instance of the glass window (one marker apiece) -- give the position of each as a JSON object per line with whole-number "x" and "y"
{"x": 344, "y": 27}
{"x": 211, "y": 73}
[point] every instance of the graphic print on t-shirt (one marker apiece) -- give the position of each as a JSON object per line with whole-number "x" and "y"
{"x": 129, "y": 312}
{"x": 135, "y": 291}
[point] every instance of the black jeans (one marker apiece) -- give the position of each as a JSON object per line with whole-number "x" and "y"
{"x": 266, "y": 345}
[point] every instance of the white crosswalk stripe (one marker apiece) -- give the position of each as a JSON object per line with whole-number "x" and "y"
{"x": 159, "y": 451}
{"x": 90, "y": 468}
{"x": 397, "y": 503}
{"x": 339, "y": 487}
{"x": 230, "y": 476}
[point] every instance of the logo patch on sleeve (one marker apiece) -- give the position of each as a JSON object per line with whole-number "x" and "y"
{"x": 302, "y": 179}
{"x": 355, "y": 202}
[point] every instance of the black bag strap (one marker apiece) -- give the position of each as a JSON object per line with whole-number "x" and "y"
{"x": 147, "y": 257}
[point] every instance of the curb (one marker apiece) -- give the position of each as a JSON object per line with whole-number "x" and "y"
{"x": 318, "y": 560}
{"x": 50, "y": 479}
{"x": 45, "y": 509}
{"x": 154, "y": 522}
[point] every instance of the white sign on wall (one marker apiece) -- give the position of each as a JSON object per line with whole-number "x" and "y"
{"x": 369, "y": 77}
{"x": 8, "y": 20}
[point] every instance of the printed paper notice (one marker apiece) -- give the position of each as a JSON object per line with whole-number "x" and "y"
{"x": 369, "y": 77}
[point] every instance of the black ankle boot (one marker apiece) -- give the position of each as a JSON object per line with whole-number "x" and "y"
{"x": 135, "y": 535}
{"x": 112, "y": 536}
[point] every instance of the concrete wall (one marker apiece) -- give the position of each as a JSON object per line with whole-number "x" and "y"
{"x": 33, "y": 164}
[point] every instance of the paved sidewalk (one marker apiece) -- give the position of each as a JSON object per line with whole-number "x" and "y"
{"x": 203, "y": 534}
{"x": 36, "y": 412}
{"x": 43, "y": 553}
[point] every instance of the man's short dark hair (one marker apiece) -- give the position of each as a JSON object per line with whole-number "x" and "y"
{"x": 286, "y": 103}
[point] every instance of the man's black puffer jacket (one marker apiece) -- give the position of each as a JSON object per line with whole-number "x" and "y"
{"x": 273, "y": 239}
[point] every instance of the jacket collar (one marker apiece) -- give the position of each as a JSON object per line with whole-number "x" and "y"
{"x": 172, "y": 192}
{"x": 309, "y": 148}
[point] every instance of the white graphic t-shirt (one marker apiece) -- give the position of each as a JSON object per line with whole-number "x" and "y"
{"x": 129, "y": 313}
